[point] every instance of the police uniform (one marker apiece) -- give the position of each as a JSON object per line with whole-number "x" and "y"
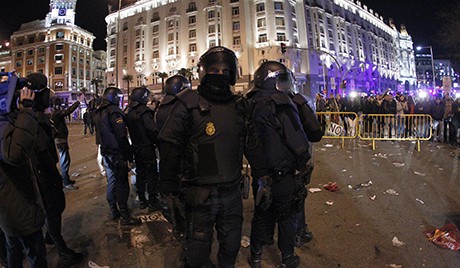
{"x": 116, "y": 151}
{"x": 208, "y": 129}
{"x": 286, "y": 150}
{"x": 141, "y": 126}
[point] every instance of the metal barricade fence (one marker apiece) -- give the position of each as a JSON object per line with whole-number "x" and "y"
{"x": 402, "y": 127}
{"x": 338, "y": 125}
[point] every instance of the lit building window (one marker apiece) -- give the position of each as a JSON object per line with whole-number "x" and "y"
{"x": 261, "y": 22}
{"x": 260, "y": 7}
{"x": 236, "y": 26}
{"x": 59, "y": 47}
{"x": 192, "y": 20}
{"x": 192, "y": 48}
{"x": 236, "y": 40}
{"x": 30, "y": 62}
{"x": 278, "y": 6}
{"x": 279, "y": 21}
{"x": 262, "y": 38}
{"x": 280, "y": 37}
{"x": 211, "y": 14}
{"x": 211, "y": 28}
{"x": 192, "y": 33}
{"x": 58, "y": 70}
{"x": 235, "y": 11}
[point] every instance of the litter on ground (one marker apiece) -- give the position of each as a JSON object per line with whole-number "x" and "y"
{"x": 314, "y": 190}
{"x": 391, "y": 191}
{"x": 331, "y": 186}
{"x": 245, "y": 241}
{"x": 397, "y": 164}
{"x": 419, "y": 173}
{"x": 447, "y": 236}
{"x": 330, "y": 203}
{"x": 419, "y": 201}
{"x": 397, "y": 243}
{"x": 363, "y": 184}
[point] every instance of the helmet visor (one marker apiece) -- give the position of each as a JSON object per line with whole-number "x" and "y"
{"x": 285, "y": 81}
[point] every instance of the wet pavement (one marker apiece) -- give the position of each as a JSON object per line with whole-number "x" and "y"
{"x": 354, "y": 227}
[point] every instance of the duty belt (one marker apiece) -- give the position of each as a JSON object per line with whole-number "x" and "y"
{"x": 281, "y": 171}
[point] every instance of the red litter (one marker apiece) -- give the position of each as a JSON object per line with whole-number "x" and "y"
{"x": 447, "y": 236}
{"x": 331, "y": 187}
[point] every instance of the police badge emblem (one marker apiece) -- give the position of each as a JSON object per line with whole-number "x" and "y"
{"x": 210, "y": 129}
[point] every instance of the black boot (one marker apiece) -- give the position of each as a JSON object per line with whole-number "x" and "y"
{"x": 68, "y": 257}
{"x": 154, "y": 206}
{"x": 255, "y": 259}
{"x": 303, "y": 237}
{"x": 114, "y": 213}
{"x": 126, "y": 219}
{"x": 293, "y": 261}
{"x": 143, "y": 204}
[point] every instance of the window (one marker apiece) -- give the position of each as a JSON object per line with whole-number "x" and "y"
{"x": 280, "y": 37}
{"x": 212, "y": 43}
{"x": 125, "y": 26}
{"x": 112, "y": 52}
{"x": 113, "y": 41}
{"x": 235, "y": 11}
{"x": 260, "y": 7}
{"x": 59, "y": 35}
{"x": 59, "y": 47}
{"x": 236, "y": 40}
{"x": 112, "y": 64}
{"x": 156, "y": 54}
{"x": 30, "y": 52}
{"x": 58, "y": 57}
{"x": 171, "y": 37}
{"x": 18, "y": 64}
{"x": 192, "y": 48}
{"x": 138, "y": 44}
{"x": 155, "y": 28}
{"x": 211, "y": 28}
{"x": 171, "y": 51}
{"x": 125, "y": 49}
{"x": 192, "y": 20}
{"x": 138, "y": 32}
{"x": 236, "y": 26}
{"x": 155, "y": 41}
{"x": 191, "y": 7}
{"x": 278, "y": 6}
{"x": 211, "y": 14}
{"x": 262, "y": 38}
{"x": 74, "y": 58}
{"x": 30, "y": 62}
{"x": 19, "y": 54}
{"x": 74, "y": 71}
{"x": 279, "y": 21}
{"x": 261, "y": 22}
{"x": 31, "y": 39}
{"x": 40, "y": 71}
{"x": 125, "y": 61}
{"x": 41, "y": 50}
{"x": 41, "y": 60}
{"x": 192, "y": 33}
{"x": 171, "y": 23}
{"x": 58, "y": 70}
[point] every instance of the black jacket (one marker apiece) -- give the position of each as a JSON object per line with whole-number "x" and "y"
{"x": 58, "y": 116}
{"x": 21, "y": 208}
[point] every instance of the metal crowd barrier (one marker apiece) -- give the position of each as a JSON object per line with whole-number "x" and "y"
{"x": 395, "y": 127}
{"x": 338, "y": 125}
{"x": 400, "y": 127}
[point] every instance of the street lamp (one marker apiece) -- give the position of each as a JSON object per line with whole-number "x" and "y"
{"x": 432, "y": 62}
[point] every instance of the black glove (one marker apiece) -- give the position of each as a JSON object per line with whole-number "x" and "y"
{"x": 173, "y": 211}
{"x": 264, "y": 193}
{"x": 305, "y": 173}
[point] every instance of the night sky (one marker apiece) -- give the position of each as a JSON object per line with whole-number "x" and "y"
{"x": 421, "y": 17}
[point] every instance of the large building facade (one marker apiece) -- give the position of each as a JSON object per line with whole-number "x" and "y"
{"x": 57, "y": 48}
{"x": 328, "y": 42}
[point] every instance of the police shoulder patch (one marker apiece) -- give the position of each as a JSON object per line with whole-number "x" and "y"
{"x": 119, "y": 120}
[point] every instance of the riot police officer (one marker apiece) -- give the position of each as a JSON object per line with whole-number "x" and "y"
{"x": 141, "y": 126}
{"x": 117, "y": 153}
{"x": 209, "y": 129}
{"x": 286, "y": 150}
{"x": 173, "y": 86}
{"x": 312, "y": 129}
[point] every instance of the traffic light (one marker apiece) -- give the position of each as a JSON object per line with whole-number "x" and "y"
{"x": 283, "y": 48}
{"x": 343, "y": 85}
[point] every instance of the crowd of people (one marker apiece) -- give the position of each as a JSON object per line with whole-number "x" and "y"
{"x": 443, "y": 109}
{"x": 200, "y": 138}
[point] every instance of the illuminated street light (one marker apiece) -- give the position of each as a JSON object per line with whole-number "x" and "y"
{"x": 432, "y": 61}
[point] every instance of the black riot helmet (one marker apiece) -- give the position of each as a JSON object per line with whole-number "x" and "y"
{"x": 113, "y": 95}
{"x": 273, "y": 75}
{"x": 140, "y": 95}
{"x": 176, "y": 84}
{"x": 218, "y": 56}
{"x": 38, "y": 83}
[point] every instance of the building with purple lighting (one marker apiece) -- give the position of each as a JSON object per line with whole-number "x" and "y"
{"x": 328, "y": 42}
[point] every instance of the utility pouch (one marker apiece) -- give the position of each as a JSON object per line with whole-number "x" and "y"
{"x": 196, "y": 195}
{"x": 299, "y": 199}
